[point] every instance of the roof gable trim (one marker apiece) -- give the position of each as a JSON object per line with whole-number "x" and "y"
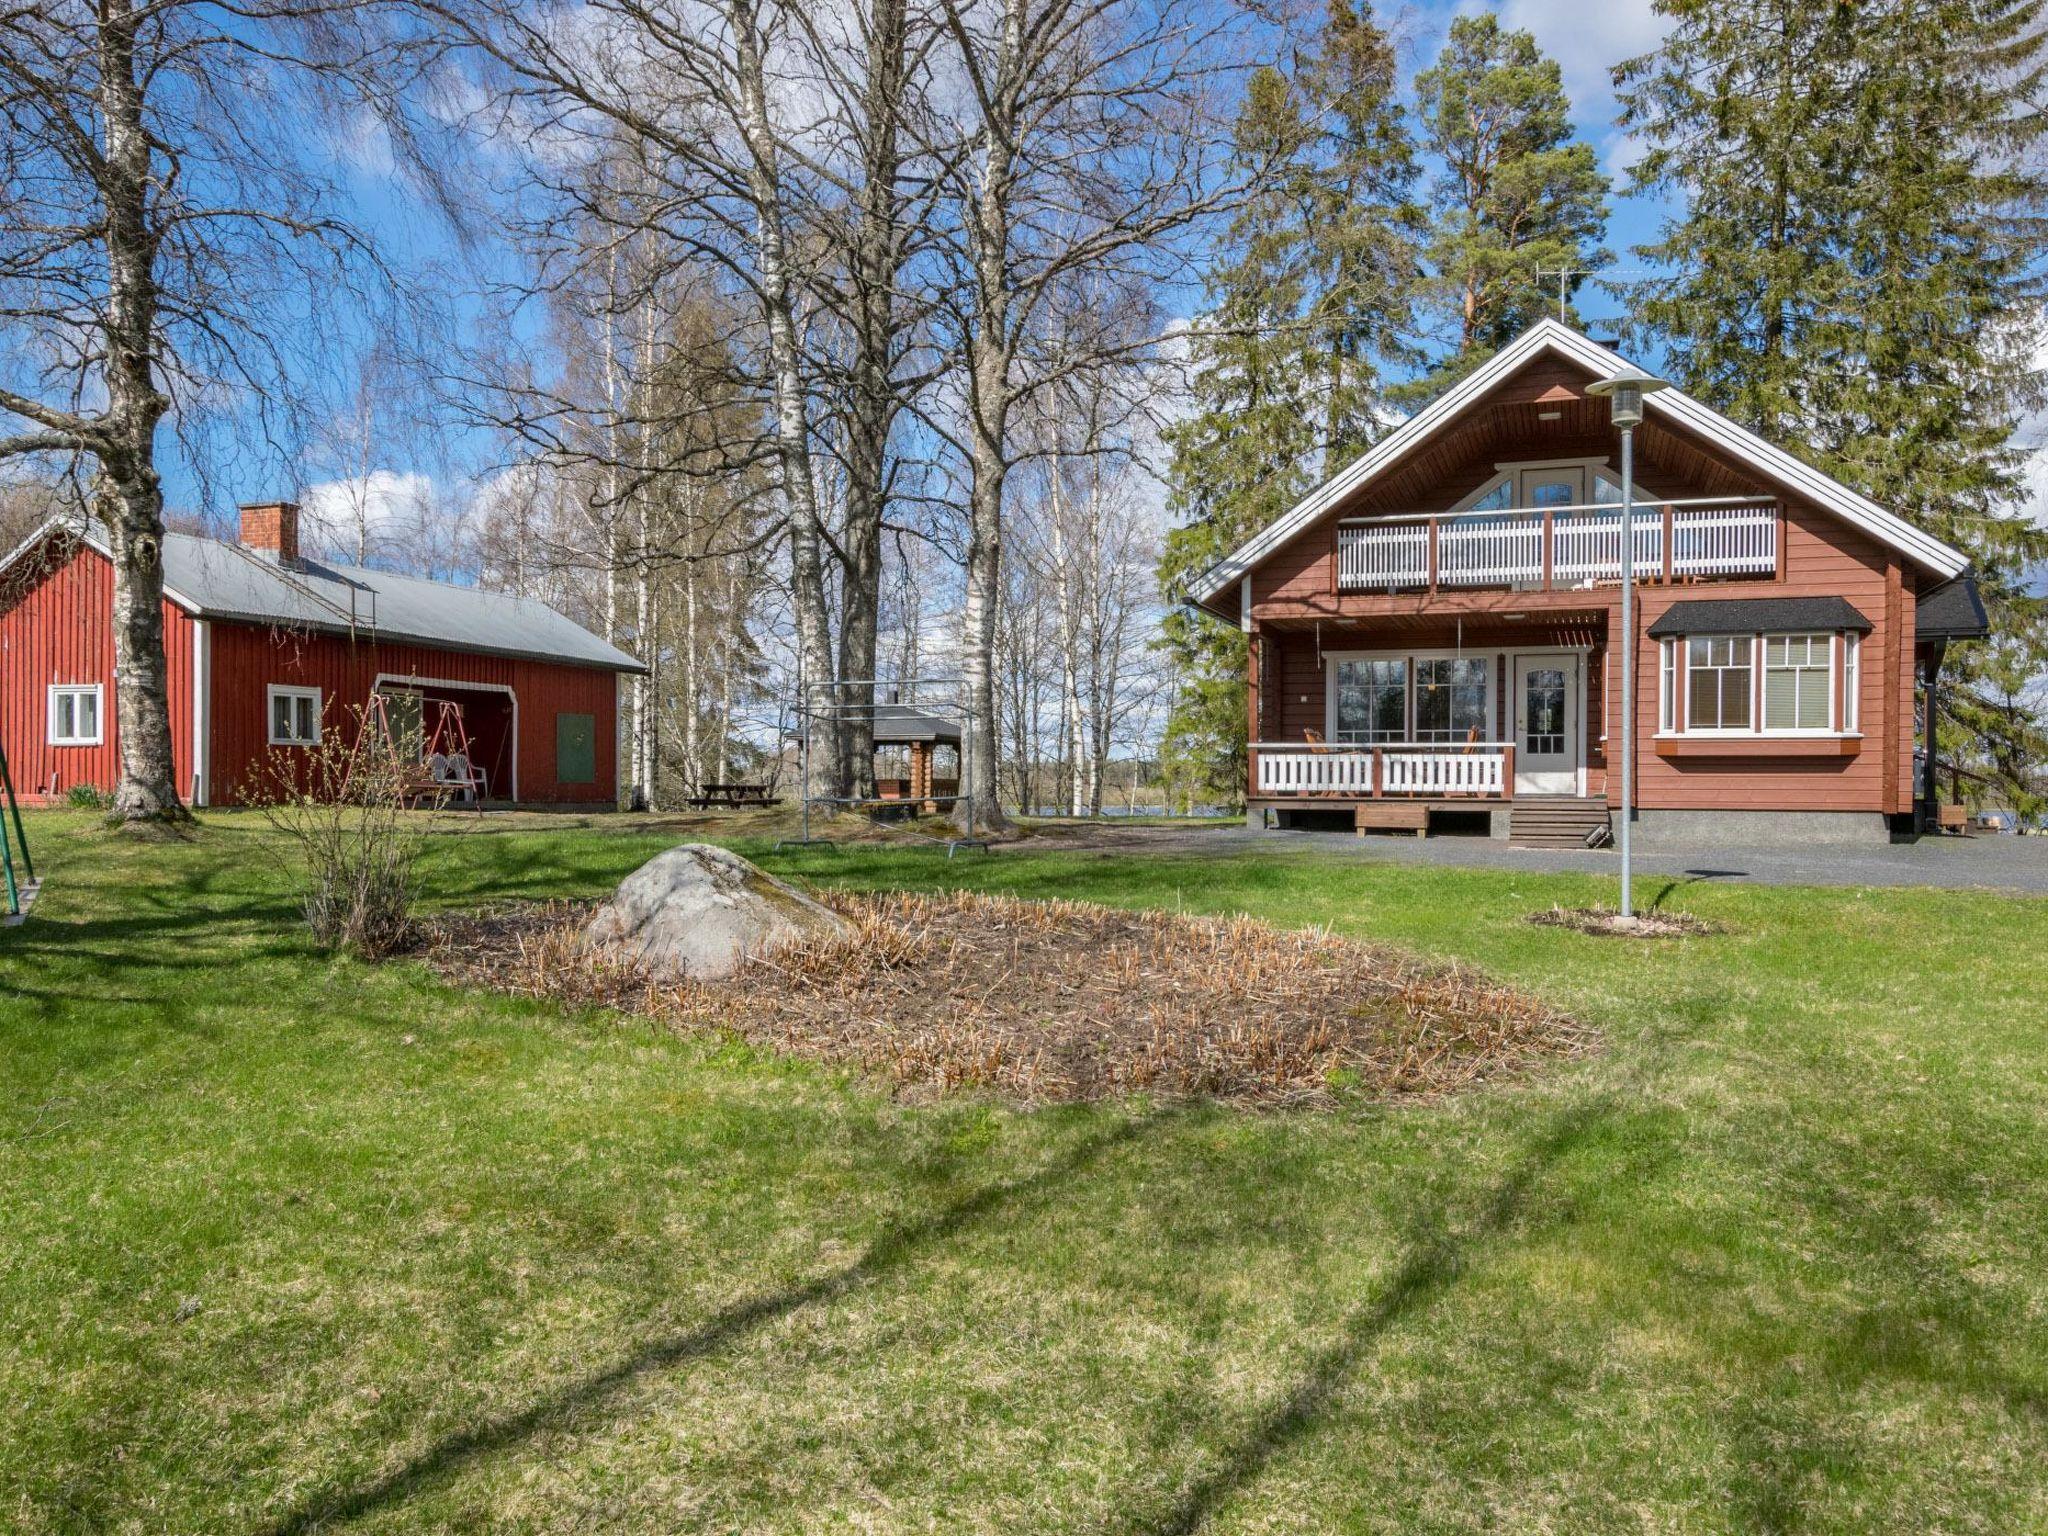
{"x": 1553, "y": 336}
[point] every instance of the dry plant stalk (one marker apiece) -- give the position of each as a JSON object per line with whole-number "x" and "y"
{"x": 345, "y": 803}
{"x": 1059, "y": 1001}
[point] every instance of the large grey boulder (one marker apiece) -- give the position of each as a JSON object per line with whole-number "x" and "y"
{"x": 696, "y": 911}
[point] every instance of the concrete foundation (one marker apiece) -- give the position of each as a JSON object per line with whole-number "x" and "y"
{"x": 1679, "y": 830}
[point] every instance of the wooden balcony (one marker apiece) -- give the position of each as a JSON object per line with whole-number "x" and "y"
{"x": 1559, "y": 548}
{"x": 1304, "y": 772}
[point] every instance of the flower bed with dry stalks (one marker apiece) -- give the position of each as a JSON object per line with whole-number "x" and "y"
{"x": 1059, "y": 1001}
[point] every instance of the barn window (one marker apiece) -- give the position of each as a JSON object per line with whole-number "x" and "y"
{"x": 75, "y": 715}
{"x": 294, "y": 717}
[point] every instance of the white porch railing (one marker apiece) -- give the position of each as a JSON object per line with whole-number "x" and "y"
{"x": 1492, "y": 551}
{"x": 1710, "y": 541}
{"x": 1480, "y": 769}
{"x": 1559, "y": 546}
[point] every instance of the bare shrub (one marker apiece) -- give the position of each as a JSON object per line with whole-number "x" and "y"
{"x": 346, "y": 804}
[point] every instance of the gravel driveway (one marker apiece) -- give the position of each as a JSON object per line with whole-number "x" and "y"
{"x": 2004, "y": 863}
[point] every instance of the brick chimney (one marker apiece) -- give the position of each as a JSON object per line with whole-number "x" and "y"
{"x": 271, "y": 529}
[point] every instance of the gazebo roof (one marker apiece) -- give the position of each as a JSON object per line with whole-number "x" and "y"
{"x": 902, "y": 725}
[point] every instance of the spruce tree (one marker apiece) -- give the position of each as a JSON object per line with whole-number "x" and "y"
{"x": 1306, "y": 315}
{"x": 1858, "y": 274}
{"x": 1516, "y": 196}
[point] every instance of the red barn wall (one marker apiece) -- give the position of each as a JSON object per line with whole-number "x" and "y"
{"x": 248, "y": 659}
{"x": 61, "y": 630}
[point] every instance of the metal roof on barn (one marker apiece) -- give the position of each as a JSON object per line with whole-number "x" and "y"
{"x": 217, "y": 580}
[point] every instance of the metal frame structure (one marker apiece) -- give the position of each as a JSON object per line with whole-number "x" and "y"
{"x": 821, "y": 701}
{"x": 21, "y": 891}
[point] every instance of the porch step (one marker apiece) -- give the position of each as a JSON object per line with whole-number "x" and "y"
{"x": 1563, "y": 822}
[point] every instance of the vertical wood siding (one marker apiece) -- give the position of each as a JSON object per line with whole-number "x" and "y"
{"x": 249, "y": 659}
{"x": 60, "y": 630}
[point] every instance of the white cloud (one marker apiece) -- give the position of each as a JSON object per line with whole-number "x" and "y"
{"x": 364, "y": 513}
{"x": 1588, "y": 41}
{"x": 1588, "y": 38}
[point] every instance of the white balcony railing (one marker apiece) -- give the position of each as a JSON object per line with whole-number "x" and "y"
{"x": 1559, "y": 546}
{"x": 1480, "y": 769}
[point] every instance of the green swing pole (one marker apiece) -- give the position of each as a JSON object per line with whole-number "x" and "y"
{"x": 6, "y": 845}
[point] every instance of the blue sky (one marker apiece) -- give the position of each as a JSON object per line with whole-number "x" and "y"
{"x": 1587, "y": 37}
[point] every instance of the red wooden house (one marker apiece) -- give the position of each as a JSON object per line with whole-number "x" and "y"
{"x": 1436, "y": 631}
{"x": 268, "y": 650}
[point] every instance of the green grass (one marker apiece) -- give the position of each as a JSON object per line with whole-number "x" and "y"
{"x": 293, "y": 1243}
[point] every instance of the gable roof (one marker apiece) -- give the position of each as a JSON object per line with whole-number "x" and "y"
{"x": 901, "y": 724}
{"x": 211, "y": 579}
{"x": 1680, "y": 408}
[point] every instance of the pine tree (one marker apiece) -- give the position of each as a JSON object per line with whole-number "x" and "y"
{"x": 1516, "y": 196}
{"x": 1305, "y": 319}
{"x": 1858, "y": 273}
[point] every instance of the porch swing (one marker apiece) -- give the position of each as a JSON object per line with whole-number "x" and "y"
{"x": 435, "y": 757}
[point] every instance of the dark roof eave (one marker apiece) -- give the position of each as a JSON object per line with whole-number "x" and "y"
{"x": 375, "y": 635}
{"x": 1755, "y": 615}
{"x": 1952, "y": 611}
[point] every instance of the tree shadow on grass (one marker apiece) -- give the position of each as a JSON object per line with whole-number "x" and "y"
{"x": 896, "y": 1247}
{"x": 1437, "y": 1259}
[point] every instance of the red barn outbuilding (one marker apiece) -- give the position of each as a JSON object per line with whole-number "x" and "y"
{"x": 269, "y": 650}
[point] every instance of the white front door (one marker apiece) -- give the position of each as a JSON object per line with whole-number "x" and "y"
{"x": 1548, "y": 737}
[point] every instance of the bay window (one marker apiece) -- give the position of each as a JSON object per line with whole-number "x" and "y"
{"x": 1759, "y": 685}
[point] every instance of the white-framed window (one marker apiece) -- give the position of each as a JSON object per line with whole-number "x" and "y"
{"x": 294, "y": 716}
{"x": 1852, "y": 682}
{"x": 1760, "y": 685}
{"x": 1720, "y": 677}
{"x": 77, "y": 715}
{"x": 1451, "y": 698}
{"x": 1371, "y": 700}
{"x": 1799, "y": 677}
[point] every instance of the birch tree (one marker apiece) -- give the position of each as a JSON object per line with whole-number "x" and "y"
{"x": 156, "y": 232}
{"x": 1089, "y": 152}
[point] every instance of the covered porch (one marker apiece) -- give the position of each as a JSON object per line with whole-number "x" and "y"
{"x": 1441, "y": 714}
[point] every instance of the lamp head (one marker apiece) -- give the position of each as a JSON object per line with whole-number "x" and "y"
{"x": 1625, "y": 393}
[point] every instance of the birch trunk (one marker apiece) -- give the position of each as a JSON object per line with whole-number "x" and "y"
{"x": 876, "y": 263}
{"x": 990, "y": 344}
{"x": 791, "y": 409}
{"x": 130, "y": 500}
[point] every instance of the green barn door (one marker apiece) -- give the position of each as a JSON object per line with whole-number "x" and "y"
{"x": 575, "y": 749}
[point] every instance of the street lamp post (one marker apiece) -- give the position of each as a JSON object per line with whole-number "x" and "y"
{"x": 1625, "y": 393}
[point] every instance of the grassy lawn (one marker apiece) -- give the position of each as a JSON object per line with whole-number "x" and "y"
{"x": 297, "y": 1244}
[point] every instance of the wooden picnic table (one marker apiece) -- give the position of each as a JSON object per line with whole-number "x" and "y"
{"x": 731, "y": 797}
